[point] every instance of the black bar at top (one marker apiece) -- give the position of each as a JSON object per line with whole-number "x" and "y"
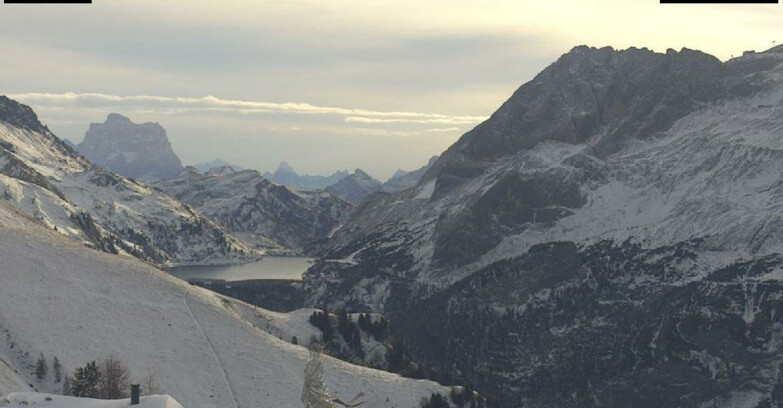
{"x": 47, "y": 1}
{"x": 719, "y": 1}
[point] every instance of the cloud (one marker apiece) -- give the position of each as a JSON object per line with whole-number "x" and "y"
{"x": 181, "y": 105}
{"x": 446, "y": 120}
{"x": 444, "y": 130}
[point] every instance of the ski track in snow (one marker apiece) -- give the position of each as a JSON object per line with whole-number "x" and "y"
{"x": 211, "y": 347}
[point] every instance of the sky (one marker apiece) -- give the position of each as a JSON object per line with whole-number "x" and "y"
{"x": 326, "y": 85}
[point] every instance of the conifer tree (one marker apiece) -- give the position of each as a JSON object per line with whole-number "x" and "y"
{"x": 58, "y": 370}
{"x": 85, "y": 381}
{"x": 41, "y": 368}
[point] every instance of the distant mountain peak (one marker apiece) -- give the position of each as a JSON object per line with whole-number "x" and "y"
{"x": 140, "y": 151}
{"x": 361, "y": 173}
{"x": 284, "y": 166}
{"x": 355, "y": 187}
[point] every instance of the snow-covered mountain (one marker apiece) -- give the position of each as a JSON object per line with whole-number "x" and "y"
{"x": 403, "y": 180}
{"x": 355, "y": 187}
{"x": 207, "y": 166}
{"x": 139, "y": 151}
{"x": 48, "y": 180}
{"x": 609, "y": 237}
{"x": 59, "y": 298}
{"x": 257, "y": 210}
{"x": 287, "y": 176}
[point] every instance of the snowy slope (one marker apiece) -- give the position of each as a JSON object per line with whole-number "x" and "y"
{"x": 49, "y": 181}
{"x": 26, "y": 399}
{"x": 10, "y": 381}
{"x": 62, "y": 299}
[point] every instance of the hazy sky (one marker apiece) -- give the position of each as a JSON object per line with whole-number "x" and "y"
{"x": 325, "y": 85}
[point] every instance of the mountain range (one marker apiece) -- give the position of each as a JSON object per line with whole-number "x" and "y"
{"x": 353, "y": 187}
{"x": 287, "y": 176}
{"x": 258, "y": 211}
{"x": 609, "y": 237}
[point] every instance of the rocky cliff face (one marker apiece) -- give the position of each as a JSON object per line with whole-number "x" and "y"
{"x": 139, "y": 151}
{"x": 49, "y": 181}
{"x": 257, "y": 210}
{"x": 575, "y": 248}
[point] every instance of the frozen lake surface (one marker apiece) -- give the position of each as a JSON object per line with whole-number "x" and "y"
{"x": 270, "y": 267}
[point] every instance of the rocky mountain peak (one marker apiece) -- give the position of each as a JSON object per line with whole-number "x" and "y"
{"x": 603, "y": 94}
{"x": 141, "y": 151}
{"x": 361, "y": 173}
{"x": 285, "y": 167}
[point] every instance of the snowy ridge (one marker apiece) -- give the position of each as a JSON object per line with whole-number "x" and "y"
{"x": 203, "y": 352}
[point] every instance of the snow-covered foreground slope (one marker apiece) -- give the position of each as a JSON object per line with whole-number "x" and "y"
{"x": 49, "y": 181}
{"x": 62, "y": 299}
{"x": 26, "y": 399}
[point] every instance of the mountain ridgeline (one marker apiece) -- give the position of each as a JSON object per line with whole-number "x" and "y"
{"x": 609, "y": 237}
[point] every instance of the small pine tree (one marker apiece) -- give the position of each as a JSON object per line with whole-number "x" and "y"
{"x": 41, "y": 368}
{"x": 58, "y": 370}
